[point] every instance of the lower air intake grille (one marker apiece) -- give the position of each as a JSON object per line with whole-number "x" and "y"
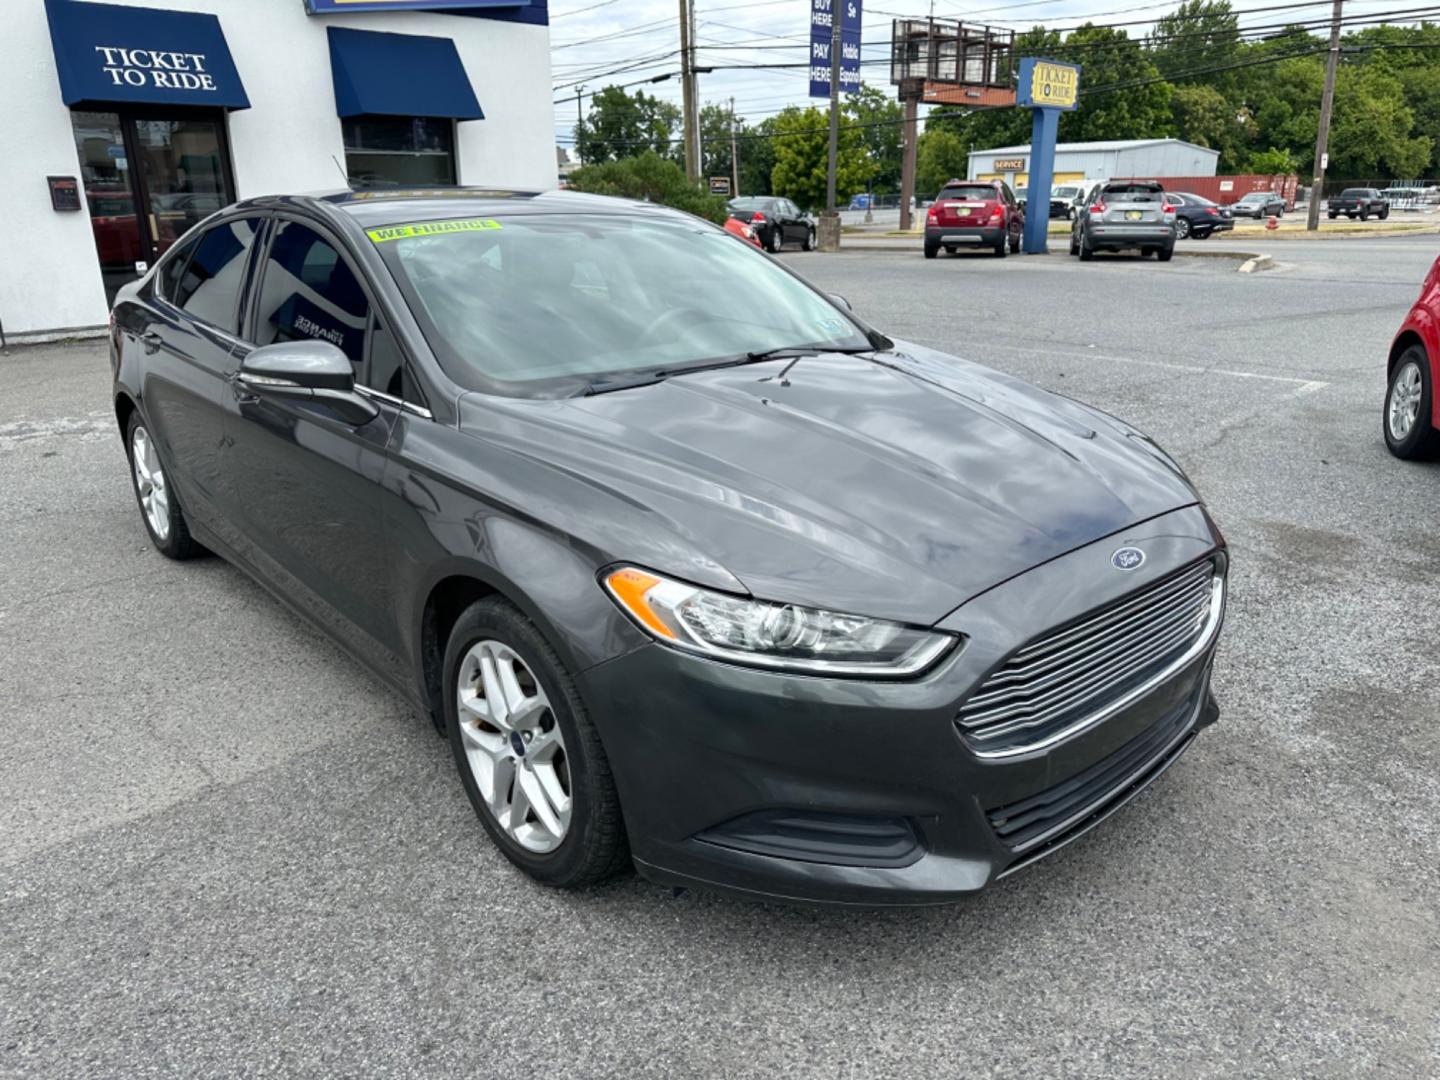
{"x": 1051, "y": 815}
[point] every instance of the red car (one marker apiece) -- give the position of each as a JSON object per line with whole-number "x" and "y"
{"x": 1411, "y": 418}
{"x": 736, "y": 227}
{"x": 978, "y": 213}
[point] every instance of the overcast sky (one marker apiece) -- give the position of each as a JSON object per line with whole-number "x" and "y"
{"x": 586, "y": 43}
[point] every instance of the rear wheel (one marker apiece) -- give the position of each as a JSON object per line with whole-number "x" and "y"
{"x": 1182, "y": 227}
{"x": 1364, "y": 215}
{"x": 1334, "y": 214}
{"x": 529, "y": 757}
{"x": 1384, "y": 214}
{"x": 1074, "y": 244}
{"x": 1145, "y": 253}
{"x": 1408, "y": 432}
{"x": 1166, "y": 254}
{"x": 776, "y": 242}
{"x": 159, "y": 508}
{"x": 931, "y": 250}
{"x": 1086, "y": 252}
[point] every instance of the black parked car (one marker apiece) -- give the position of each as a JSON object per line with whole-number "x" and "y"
{"x": 691, "y": 566}
{"x": 1198, "y": 217}
{"x": 776, "y": 221}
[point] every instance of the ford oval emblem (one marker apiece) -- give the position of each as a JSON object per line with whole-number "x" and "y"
{"x": 1127, "y": 558}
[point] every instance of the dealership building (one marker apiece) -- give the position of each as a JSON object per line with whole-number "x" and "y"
{"x": 128, "y": 122}
{"x": 1075, "y": 162}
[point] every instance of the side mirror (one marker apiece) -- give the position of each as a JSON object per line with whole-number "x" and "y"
{"x": 839, "y": 301}
{"x": 307, "y": 371}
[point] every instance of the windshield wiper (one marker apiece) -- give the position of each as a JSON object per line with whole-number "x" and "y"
{"x": 627, "y": 381}
{"x": 631, "y": 379}
{"x": 785, "y": 352}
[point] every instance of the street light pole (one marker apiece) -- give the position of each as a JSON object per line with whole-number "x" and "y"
{"x": 1322, "y": 135}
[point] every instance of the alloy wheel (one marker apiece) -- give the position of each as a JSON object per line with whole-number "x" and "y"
{"x": 514, "y": 746}
{"x": 1182, "y": 228}
{"x": 1404, "y": 401}
{"x": 150, "y": 484}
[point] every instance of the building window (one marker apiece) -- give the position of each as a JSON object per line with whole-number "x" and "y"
{"x": 411, "y": 151}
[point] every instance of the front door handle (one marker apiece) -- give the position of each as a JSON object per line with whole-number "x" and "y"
{"x": 151, "y": 341}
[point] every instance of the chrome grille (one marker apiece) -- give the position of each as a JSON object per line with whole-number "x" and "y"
{"x": 1078, "y": 670}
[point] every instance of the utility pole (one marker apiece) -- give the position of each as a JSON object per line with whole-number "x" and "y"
{"x": 579, "y": 121}
{"x": 907, "y": 160}
{"x": 829, "y": 232}
{"x": 687, "y": 93}
{"x": 1322, "y": 136}
{"x": 734, "y": 155}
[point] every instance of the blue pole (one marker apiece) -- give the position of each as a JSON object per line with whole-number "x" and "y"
{"x": 1043, "y": 130}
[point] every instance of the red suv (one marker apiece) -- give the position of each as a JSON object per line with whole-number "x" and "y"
{"x": 980, "y": 213}
{"x": 1410, "y": 418}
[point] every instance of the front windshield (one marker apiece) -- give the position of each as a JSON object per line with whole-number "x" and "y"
{"x": 543, "y": 305}
{"x": 1065, "y": 192}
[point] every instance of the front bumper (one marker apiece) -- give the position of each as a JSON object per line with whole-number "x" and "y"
{"x": 865, "y": 793}
{"x": 964, "y": 234}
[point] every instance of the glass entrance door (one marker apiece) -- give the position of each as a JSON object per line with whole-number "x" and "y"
{"x": 147, "y": 179}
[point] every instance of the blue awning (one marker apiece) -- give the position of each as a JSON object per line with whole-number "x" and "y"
{"x": 399, "y": 75}
{"x": 109, "y": 53}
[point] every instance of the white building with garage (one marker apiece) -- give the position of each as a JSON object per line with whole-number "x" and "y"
{"x": 128, "y": 121}
{"x": 1077, "y": 162}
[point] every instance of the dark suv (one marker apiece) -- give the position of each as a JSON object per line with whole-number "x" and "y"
{"x": 980, "y": 213}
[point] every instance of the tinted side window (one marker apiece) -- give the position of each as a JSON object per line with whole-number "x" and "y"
{"x": 309, "y": 292}
{"x": 168, "y": 280}
{"x": 209, "y": 286}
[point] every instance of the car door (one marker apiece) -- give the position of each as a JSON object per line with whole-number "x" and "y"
{"x": 306, "y": 483}
{"x": 189, "y": 340}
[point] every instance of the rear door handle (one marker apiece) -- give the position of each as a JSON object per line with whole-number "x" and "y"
{"x": 151, "y": 341}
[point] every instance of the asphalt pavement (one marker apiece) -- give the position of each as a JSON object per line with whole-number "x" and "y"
{"x": 228, "y": 850}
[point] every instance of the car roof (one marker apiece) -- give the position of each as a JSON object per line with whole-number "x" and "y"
{"x": 374, "y": 207}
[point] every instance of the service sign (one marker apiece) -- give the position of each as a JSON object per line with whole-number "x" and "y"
{"x": 822, "y": 14}
{"x": 1008, "y": 164}
{"x": 335, "y": 7}
{"x": 1048, "y": 84}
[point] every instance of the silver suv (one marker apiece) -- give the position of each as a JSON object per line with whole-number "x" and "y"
{"x": 1123, "y": 214}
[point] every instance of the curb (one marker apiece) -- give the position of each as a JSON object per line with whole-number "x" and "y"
{"x": 1257, "y": 264}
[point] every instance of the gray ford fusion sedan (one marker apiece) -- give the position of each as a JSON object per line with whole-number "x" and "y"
{"x": 692, "y": 567}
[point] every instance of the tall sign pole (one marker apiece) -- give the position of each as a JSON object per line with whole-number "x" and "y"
{"x": 1322, "y": 135}
{"x": 835, "y": 112}
{"x": 1049, "y": 88}
{"x": 834, "y": 66}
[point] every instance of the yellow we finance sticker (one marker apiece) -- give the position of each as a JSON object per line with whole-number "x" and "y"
{"x": 431, "y": 228}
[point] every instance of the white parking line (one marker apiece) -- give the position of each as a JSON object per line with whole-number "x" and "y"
{"x": 1304, "y": 386}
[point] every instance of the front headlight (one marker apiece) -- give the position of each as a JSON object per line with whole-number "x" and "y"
{"x": 779, "y": 636}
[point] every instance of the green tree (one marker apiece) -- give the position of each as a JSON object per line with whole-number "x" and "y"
{"x": 940, "y": 155}
{"x": 801, "y": 157}
{"x": 715, "y": 138}
{"x": 879, "y": 116}
{"x": 622, "y": 125}
{"x": 757, "y": 158}
{"x": 1206, "y": 117}
{"x": 1123, "y": 100}
{"x": 652, "y": 178}
{"x": 1272, "y": 162}
{"x": 1196, "y": 36}
{"x": 1370, "y": 135}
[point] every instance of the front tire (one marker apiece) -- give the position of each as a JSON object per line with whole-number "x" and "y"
{"x": 1383, "y": 214}
{"x": 809, "y": 243}
{"x": 528, "y": 755}
{"x": 1407, "y": 412}
{"x": 159, "y": 508}
{"x": 1003, "y": 247}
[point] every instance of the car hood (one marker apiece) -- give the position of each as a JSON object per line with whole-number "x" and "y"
{"x": 897, "y": 486}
